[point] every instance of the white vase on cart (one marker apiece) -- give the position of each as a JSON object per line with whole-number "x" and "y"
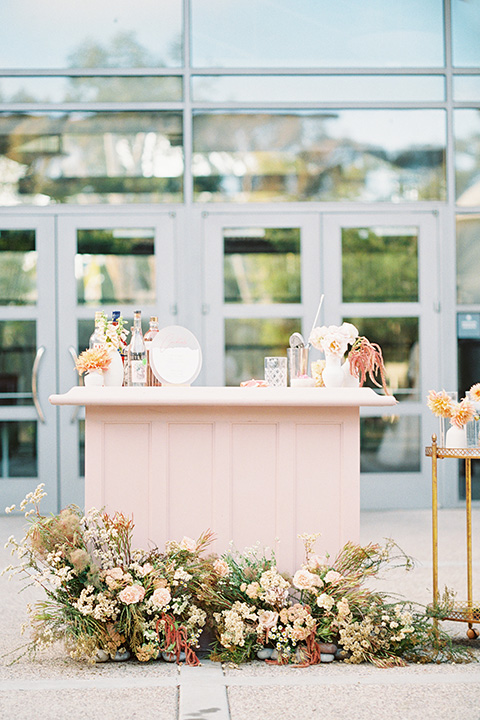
{"x": 333, "y": 375}
{"x": 113, "y": 376}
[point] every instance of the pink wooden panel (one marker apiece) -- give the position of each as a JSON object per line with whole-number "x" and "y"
{"x": 126, "y": 470}
{"x": 253, "y": 476}
{"x": 190, "y": 469}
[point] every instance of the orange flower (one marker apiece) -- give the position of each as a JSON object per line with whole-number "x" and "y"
{"x": 96, "y": 358}
{"x": 440, "y": 404}
{"x": 475, "y": 392}
{"x": 463, "y": 412}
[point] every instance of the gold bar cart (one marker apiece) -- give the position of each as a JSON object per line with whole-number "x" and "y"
{"x": 459, "y": 611}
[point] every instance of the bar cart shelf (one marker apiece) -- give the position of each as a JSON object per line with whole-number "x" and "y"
{"x": 468, "y": 612}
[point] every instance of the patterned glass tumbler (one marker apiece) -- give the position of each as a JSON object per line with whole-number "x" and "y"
{"x": 276, "y": 371}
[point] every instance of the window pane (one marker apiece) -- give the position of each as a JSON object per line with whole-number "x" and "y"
{"x": 262, "y": 265}
{"x": 17, "y": 353}
{"x": 249, "y": 341}
{"x": 390, "y": 444}
{"x": 466, "y": 88}
{"x": 90, "y": 89}
{"x": 364, "y": 155}
{"x": 18, "y": 267}
{"x": 314, "y": 33}
{"x": 82, "y": 157}
{"x": 398, "y": 339}
{"x": 468, "y": 259}
{"x": 380, "y": 264}
{"x": 465, "y": 33}
{"x": 115, "y": 266}
{"x": 334, "y": 88}
{"x": 18, "y": 449}
{"x": 88, "y": 33}
{"x": 467, "y": 156}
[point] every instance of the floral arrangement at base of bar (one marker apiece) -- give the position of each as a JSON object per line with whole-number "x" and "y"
{"x": 106, "y": 600}
{"x": 349, "y": 358}
{"x": 463, "y": 417}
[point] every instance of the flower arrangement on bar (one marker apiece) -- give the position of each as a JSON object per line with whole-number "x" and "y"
{"x": 93, "y": 359}
{"x": 105, "y": 599}
{"x": 114, "y": 333}
{"x": 459, "y": 414}
{"x": 365, "y": 359}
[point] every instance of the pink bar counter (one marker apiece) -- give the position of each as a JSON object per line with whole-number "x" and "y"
{"x": 252, "y": 464}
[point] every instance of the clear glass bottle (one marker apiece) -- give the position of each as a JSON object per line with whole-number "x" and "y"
{"x": 137, "y": 356}
{"x": 149, "y": 335}
{"x": 97, "y": 337}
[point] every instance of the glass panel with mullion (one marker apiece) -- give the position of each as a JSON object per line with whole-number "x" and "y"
{"x": 262, "y": 265}
{"x": 466, "y": 88}
{"x": 390, "y": 444}
{"x": 91, "y": 89}
{"x": 380, "y": 264}
{"x": 330, "y": 88}
{"x": 465, "y": 33}
{"x": 317, "y": 33}
{"x": 361, "y": 155}
{"x": 467, "y": 156}
{"x": 18, "y": 267}
{"x": 17, "y": 353}
{"x": 18, "y": 449}
{"x": 468, "y": 259}
{"x": 249, "y": 340}
{"x": 399, "y": 341}
{"x": 91, "y": 157}
{"x": 115, "y": 266}
{"x": 92, "y": 34}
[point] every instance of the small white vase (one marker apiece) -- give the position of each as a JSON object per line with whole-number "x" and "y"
{"x": 113, "y": 375}
{"x": 94, "y": 378}
{"x": 349, "y": 380}
{"x": 455, "y": 437}
{"x": 333, "y": 375}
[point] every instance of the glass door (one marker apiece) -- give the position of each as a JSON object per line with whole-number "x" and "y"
{"x": 123, "y": 262}
{"x": 261, "y": 284}
{"x": 380, "y": 273}
{"x": 28, "y": 364}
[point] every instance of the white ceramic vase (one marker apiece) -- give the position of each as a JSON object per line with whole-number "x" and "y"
{"x": 349, "y": 380}
{"x": 113, "y": 375}
{"x": 94, "y": 378}
{"x": 455, "y": 437}
{"x": 333, "y": 375}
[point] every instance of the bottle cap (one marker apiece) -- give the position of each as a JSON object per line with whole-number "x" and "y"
{"x": 115, "y": 315}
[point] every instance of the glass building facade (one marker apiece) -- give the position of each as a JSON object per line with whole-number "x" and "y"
{"x": 221, "y": 165}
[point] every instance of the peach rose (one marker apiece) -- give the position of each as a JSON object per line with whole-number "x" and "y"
{"x": 221, "y": 568}
{"x": 267, "y": 619}
{"x": 332, "y": 576}
{"x": 188, "y": 544}
{"x": 305, "y": 580}
{"x": 161, "y": 597}
{"x": 132, "y": 594}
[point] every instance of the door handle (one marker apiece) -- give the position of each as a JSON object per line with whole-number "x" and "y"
{"x": 36, "y": 401}
{"x": 76, "y": 409}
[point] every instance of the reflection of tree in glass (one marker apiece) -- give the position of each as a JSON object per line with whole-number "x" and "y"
{"x": 18, "y": 267}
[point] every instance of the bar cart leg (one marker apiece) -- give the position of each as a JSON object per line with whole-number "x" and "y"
{"x": 435, "y": 526}
{"x": 471, "y": 632}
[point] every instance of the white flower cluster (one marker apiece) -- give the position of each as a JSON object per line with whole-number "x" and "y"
{"x": 235, "y": 624}
{"x": 96, "y": 604}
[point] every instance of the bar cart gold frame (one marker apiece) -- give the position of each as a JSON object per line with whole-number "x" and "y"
{"x": 459, "y": 611}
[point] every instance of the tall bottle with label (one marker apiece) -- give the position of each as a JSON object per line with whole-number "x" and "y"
{"x": 97, "y": 338}
{"x": 137, "y": 360}
{"x": 149, "y": 335}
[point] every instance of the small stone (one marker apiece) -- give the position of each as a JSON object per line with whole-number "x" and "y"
{"x": 341, "y": 654}
{"x": 101, "y": 656}
{"x": 327, "y": 657}
{"x": 120, "y": 656}
{"x": 264, "y": 653}
{"x": 172, "y": 657}
{"x": 327, "y": 648}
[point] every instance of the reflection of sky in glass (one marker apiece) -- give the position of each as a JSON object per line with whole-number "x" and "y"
{"x": 44, "y": 34}
{"x": 339, "y": 88}
{"x": 466, "y": 88}
{"x": 343, "y": 33}
{"x": 465, "y": 33}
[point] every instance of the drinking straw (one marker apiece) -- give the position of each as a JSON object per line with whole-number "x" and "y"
{"x": 316, "y": 317}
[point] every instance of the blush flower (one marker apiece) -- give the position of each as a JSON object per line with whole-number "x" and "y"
{"x": 96, "y": 358}
{"x": 161, "y": 597}
{"x": 475, "y": 392}
{"x": 306, "y": 580}
{"x": 267, "y": 619}
{"x": 132, "y": 594}
{"x": 440, "y": 404}
{"x": 221, "y": 568}
{"x": 332, "y": 576}
{"x": 188, "y": 544}
{"x": 462, "y": 413}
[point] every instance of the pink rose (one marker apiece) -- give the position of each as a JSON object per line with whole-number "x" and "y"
{"x": 221, "y": 568}
{"x": 188, "y": 544}
{"x": 267, "y": 619}
{"x": 161, "y": 597}
{"x": 332, "y": 576}
{"x": 305, "y": 580}
{"x": 132, "y": 594}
